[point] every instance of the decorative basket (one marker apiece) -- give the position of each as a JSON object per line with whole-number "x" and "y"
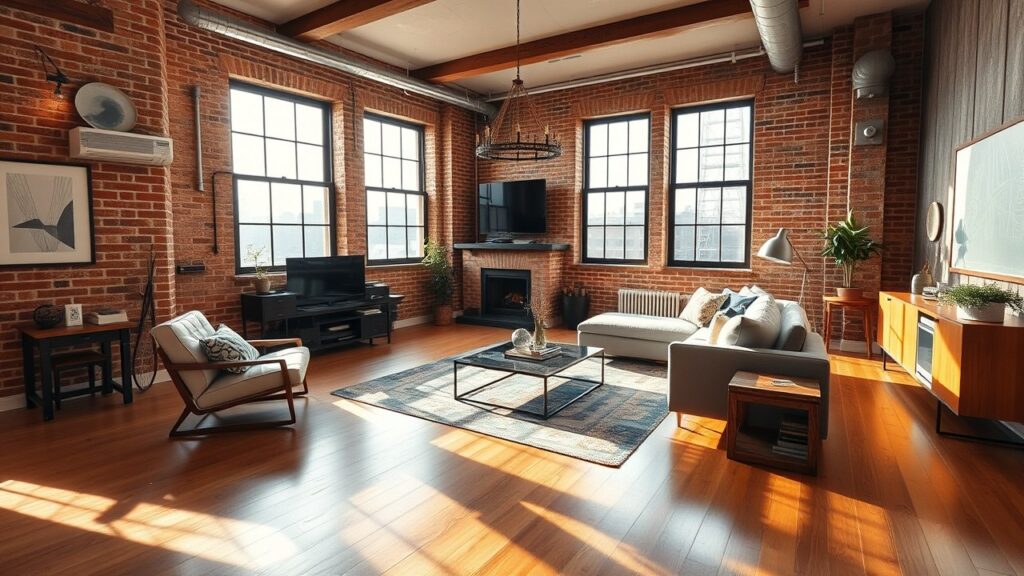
{"x": 48, "y": 316}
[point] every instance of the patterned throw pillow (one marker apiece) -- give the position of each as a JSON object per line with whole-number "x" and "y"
{"x": 701, "y": 307}
{"x": 226, "y": 345}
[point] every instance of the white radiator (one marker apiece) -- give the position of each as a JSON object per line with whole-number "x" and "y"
{"x": 650, "y": 302}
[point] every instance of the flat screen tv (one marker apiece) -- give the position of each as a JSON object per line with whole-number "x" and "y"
{"x": 327, "y": 279}
{"x": 518, "y": 207}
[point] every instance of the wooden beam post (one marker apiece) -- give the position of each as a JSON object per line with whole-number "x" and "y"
{"x": 344, "y": 15}
{"x": 648, "y": 26}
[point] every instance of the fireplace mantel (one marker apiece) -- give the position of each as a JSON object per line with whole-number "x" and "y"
{"x": 535, "y": 247}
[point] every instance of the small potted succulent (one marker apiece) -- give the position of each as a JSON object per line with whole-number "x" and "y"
{"x": 849, "y": 244}
{"x": 254, "y": 256}
{"x": 982, "y": 303}
{"x": 441, "y": 283}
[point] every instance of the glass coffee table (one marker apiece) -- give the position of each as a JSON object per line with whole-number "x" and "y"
{"x": 494, "y": 359}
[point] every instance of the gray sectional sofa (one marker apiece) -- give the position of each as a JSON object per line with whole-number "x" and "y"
{"x": 698, "y": 371}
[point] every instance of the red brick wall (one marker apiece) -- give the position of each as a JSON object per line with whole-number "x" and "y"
{"x": 131, "y": 204}
{"x": 803, "y": 166}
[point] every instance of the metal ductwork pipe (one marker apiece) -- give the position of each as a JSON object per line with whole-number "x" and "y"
{"x": 871, "y": 74}
{"x": 778, "y": 23}
{"x": 245, "y": 32}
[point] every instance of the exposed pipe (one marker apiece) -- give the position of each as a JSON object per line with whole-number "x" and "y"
{"x": 196, "y": 94}
{"x": 245, "y": 32}
{"x": 778, "y": 23}
{"x": 731, "y": 57}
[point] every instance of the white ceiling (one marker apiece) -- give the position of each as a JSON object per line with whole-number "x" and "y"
{"x": 447, "y": 29}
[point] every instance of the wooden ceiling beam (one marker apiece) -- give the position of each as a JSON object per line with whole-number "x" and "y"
{"x": 80, "y": 13}
{"x": 344, "y": 15}
{"x": 662, "y": 23}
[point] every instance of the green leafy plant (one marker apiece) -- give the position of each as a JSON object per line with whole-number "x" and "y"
{"x": 255, "y": 256}
{"x": 848, "y": 243}
{"x": 441, "y": 283}
{"x": 974, "y": 296}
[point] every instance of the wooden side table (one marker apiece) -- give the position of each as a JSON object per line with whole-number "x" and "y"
{"x": 791, "y": 443}
{"x": 863, "y": 304}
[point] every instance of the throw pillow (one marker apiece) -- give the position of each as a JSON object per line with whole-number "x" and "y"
{"x": 701, "y": 307}
{"x": 226, "y": 345}
{"x": 758, "y": 327}
{"x": 736, "y": 303}
{"x": 793, "y": 331}
{"x": 717, "y": 323}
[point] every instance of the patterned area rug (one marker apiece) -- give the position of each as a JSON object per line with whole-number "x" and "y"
{"x": 604, "y": 427}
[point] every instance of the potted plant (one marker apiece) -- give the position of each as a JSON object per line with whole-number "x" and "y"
{"x": 262, "y": 280}
{"x": 849, "y": 244}
{"x": 982, "y": 303}
{"x": 575, "y": 305}
{"x": 441, "y": 283}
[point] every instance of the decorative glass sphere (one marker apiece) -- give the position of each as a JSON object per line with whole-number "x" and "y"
{"x": 522, "y": 339}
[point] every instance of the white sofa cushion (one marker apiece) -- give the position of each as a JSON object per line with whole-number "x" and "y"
{"x": 794, "y": 327}
{"x": 758, "y": 327}
{"x": 655, "y": 328}
{"x": 258, "y": 379}
{"x": 180, "y": 339}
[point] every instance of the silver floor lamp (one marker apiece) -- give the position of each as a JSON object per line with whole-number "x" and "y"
{"x": 780, "y": 250}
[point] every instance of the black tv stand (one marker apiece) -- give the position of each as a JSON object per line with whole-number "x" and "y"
{"x": 320, "y": 326}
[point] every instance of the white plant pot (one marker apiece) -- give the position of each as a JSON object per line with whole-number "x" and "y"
{"x": 989, "y": 313}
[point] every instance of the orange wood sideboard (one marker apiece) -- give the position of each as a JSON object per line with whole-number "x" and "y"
{"x": 977, "y": 367}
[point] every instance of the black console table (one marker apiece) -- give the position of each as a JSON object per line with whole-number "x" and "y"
{"x": 320, "y": 326}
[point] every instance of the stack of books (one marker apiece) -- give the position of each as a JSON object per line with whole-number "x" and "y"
{"x": 106, "y": 316}
{"x": 369, "y": 311}
{"x": 530, "y": 354}
{"x": 792, "y": 441}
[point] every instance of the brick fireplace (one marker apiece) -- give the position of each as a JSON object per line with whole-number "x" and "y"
{"x": 538, "y": 267}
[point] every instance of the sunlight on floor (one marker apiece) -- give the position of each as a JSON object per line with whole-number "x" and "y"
{"x": 226, "y": 540}
{"x": 629, "y": 560}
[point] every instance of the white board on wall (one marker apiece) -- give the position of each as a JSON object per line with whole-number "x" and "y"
{"x": 988, "y": 206}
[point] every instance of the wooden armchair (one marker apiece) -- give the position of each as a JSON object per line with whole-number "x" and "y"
{"x": 206, "y": 387}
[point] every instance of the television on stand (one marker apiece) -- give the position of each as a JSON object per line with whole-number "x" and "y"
{"x": 327, "y": 279}
{"x": 515, "y": 207}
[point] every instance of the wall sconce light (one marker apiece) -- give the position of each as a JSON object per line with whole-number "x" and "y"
{"x": 56, "y": 76}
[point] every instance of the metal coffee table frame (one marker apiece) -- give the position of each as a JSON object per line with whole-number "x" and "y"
{"x": 512, "y": 371}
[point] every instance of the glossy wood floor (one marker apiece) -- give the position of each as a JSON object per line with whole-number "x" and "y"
{"x": 355, "y": 489}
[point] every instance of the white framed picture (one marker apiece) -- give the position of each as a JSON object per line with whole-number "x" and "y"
{"x": 72, "y": 314}
{"x": 45, "y": 214}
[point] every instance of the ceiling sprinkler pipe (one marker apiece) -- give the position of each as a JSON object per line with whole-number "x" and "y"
{"x": 230, "y": 27}
{"x": 778, "y": 23}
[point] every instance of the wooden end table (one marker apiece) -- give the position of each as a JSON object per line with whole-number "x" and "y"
{"x": 865, "y": 305}
{"x": 794, "y": 443}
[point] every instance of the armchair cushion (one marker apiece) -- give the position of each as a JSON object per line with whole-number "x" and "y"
{"x": 179, "y": 338}
{"x": 258, "y": 379}
{"x": 226, "y": 345}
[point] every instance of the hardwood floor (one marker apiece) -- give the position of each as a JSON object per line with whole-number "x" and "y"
{"x": 355, "y": 489}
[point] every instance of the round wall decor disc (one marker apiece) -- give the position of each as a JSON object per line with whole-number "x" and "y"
{"x": 105, "y": 107}
{"x": 933, "y": 223}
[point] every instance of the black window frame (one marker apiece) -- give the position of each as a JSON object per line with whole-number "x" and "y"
{"x": 421, "y": 130}
{"x": 673, "y": 187}
{"x": 328, "y": 183}
{"x": 625, "y": 189}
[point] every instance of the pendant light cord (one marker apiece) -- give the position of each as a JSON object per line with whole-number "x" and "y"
{"x": 517, "y": 39}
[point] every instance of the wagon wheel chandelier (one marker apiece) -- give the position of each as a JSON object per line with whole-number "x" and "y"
{"x": 515, "y": 132}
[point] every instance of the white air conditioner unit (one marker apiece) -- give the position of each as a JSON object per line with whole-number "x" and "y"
{"x": 120, "y": 147}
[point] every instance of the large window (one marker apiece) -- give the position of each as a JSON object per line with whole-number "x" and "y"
{"x": 615, "y": 186}
{"x": 711, "y": 175}
{"x": 395, "y": 196}
{"x": 280, "y": 150}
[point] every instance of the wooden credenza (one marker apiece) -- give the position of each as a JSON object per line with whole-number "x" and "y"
{"x": 977, "y": 367}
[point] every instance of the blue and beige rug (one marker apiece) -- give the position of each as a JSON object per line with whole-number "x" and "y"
{"x": 604, "y": 427}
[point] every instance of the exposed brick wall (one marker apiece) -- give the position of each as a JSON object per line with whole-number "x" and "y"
{"x": 805, "y": 172}
{"x": 131, "y": 204}
{"x": 196, "y": 57}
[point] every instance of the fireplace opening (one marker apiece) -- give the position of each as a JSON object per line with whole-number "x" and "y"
{"x": 504, "y": 293}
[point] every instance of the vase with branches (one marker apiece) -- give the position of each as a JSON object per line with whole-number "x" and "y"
{"x": 848, "y": 244}
{"x": 441, "y": 281}
{"x": 254, "y": 256}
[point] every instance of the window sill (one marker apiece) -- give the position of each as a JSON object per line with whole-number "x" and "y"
{"x": 390, "y": 265}
{"x": 272, "y": 275}
{"x": 617, "y": 265}
{"x": 710, "y": 269}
